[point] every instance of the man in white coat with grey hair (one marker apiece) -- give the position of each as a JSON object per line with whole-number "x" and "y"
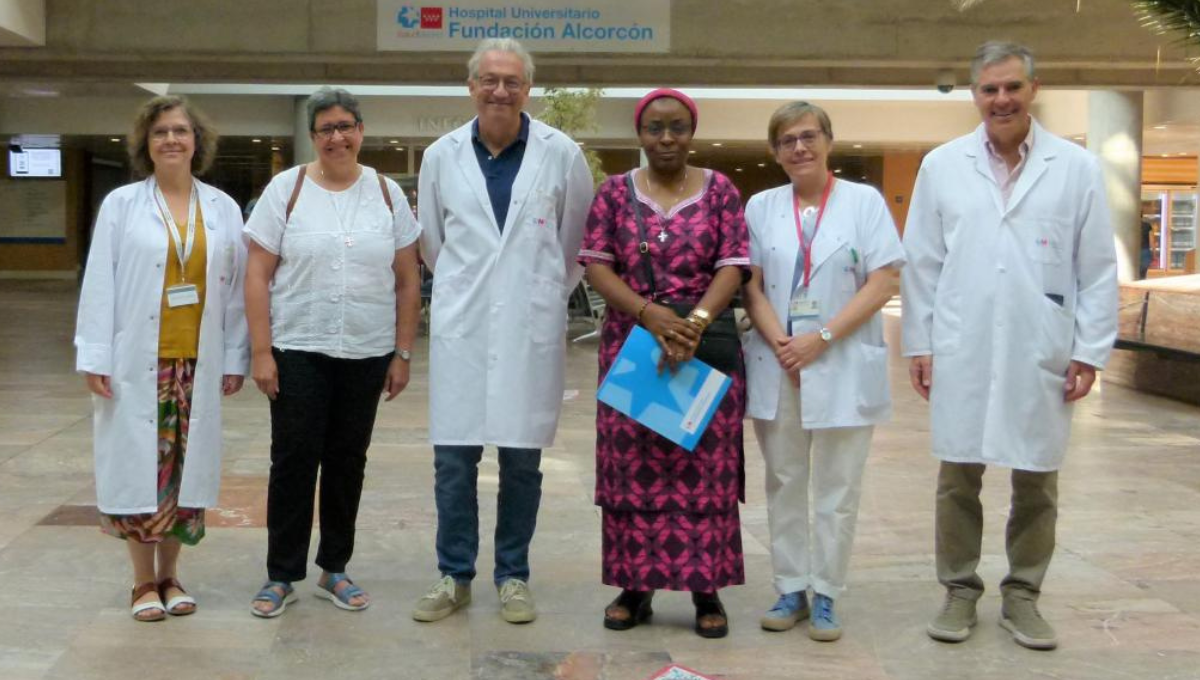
{"x": 502, "y": 204}
{"x": 1010, "y": 308}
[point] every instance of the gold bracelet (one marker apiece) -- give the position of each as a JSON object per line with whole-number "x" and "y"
{"x": 698, "y": 321}
{"x": 645, "y": 304}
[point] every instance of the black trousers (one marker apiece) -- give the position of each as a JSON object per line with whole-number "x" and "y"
{"x": 321, "y": 420}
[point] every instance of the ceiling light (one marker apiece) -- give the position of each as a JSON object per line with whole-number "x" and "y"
{"x": 858, "y": 146}
{"x": 691, "y": 152}
{"x": 274, "y": 148}
{"x": 393, "y": 141}
{"x": 115, "y": 139}
{"x": 762, "y": 165}
{"x": 716, "y": 144}
{"x": 737, "y": 169}
{"x": 1166, "y": 155}
{"x": 256, "y": 140}
{"x": 838, "y": 171}
{"x": 1160, "y": 127}
{"x": 399, "y": 148}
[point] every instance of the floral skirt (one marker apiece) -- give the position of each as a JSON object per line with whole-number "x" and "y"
{"x": 175, "y": 379}
{"x": 688, "y": 551}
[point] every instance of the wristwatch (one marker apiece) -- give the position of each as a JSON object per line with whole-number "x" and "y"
{"x": 404, "y": 354}
{"x": 827, "y": 335}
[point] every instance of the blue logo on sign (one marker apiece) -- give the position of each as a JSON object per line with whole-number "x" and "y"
{"x": 407, "y": 21}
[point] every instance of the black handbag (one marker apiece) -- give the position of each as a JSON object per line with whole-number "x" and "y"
{"x": 720, "y": 344}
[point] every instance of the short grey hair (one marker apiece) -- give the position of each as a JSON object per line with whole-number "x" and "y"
{"x": 326, "y": 98}
{"x": 791, "y": 112}
{"x": 500, "y": 45}
{"x": 997, "y": 52}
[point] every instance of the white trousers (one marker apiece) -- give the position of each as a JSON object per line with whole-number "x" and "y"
{"x": 816, "y": 555}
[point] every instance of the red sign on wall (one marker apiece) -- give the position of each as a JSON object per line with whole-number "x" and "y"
{"x": 431, "y": 17}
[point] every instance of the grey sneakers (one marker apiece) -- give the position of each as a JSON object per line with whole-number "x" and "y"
{"x": 443, "y": 599}
{"x": 1020, "y": 616}
{"x": 954, "y": 622}
{"x": 516, "y": 602}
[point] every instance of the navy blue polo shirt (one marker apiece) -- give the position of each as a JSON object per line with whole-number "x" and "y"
{"x": 500, "y": 171}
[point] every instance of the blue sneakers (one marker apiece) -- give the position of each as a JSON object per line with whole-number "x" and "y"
{"x": 824, "y": 626}
{"x": 789, "y": 609}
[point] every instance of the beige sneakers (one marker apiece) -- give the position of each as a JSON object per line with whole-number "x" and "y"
{"x": 516, "y": 602}
{"x": 954, "y": 622}
{"x": 1020, "y": 616}
{"x": 443, "y": 599}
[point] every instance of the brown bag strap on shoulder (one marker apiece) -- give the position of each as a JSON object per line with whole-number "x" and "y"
{"x": 387, "y": 197}
{"x": 295, "y": 192}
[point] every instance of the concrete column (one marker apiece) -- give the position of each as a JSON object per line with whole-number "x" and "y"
{"x": 1115, "y": 135}
{"x": 301, "y": 141}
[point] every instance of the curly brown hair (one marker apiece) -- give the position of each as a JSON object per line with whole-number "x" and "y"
{"x": 147, "y": 115}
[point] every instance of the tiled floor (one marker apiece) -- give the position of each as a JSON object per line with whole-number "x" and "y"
{"x": 1124, "y": 589}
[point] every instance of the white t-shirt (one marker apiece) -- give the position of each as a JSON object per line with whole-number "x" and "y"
{"x": 334, "y": 288}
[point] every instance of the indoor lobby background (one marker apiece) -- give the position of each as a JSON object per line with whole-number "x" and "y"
{"x": 1125, "y": 586}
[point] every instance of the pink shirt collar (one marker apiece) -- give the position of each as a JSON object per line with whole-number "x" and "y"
{"x": 1005, "y": 178}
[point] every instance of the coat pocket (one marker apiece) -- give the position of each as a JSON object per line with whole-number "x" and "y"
{"x": 873, "y": 391}
{"x": 547, "y": 311}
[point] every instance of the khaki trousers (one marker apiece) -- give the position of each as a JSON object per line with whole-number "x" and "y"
{"x": 1029, "y": 537}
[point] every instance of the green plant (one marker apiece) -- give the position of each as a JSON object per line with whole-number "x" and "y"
{"x": 1166, "y": 16}
{"x": 573, "y": 111}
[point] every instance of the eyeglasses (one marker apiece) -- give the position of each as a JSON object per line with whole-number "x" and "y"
{"x": 678, "y": 128}
{"x": 160, "y": 134}
{"x": 492, "y": 83}
{"x": 808, "y": 138}
{"x": 344, "y": 129}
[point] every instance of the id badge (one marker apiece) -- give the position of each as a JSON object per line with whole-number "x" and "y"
{"x": 182, "y": 295}
{"x": 803, "y": 308}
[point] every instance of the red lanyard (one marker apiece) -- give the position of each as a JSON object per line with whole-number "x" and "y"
{"x": 806, "y": 249}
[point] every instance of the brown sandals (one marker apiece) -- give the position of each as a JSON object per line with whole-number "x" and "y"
{"x": 151, "y": 610}
{"x": 180, "y": 605}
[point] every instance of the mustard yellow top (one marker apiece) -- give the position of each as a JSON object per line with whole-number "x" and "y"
{"x": 179, "y": 332}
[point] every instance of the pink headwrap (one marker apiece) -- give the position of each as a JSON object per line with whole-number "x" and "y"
{"x": 659, "y": 94}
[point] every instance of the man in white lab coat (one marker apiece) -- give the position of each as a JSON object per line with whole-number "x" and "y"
{"x": 1011, "y": 292}
{"x": 503, "y": 200}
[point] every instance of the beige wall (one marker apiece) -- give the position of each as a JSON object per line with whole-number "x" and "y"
{"x": 779, "y": 42}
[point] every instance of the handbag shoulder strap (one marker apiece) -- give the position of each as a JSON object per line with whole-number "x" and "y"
{"x": 387, "y": 197}
{"x": 643, "y": 242}
{"x": 295, "y": 192}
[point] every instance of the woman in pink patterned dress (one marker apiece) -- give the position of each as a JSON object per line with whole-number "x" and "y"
{"x": 670, "y": 516}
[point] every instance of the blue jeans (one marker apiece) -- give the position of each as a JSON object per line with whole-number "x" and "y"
{"x": 455, "y": 488}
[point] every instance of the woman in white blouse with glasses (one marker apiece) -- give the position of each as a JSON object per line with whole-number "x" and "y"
{"x": 332, "y": 300}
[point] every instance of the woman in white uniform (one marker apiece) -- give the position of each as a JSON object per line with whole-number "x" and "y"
{"x": 160, "y": 337}
{"x": 823, "y": 254}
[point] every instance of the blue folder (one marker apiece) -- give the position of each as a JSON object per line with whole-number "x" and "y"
{"x": 678, "y": 407}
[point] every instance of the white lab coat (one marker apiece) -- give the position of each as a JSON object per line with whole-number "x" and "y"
{"x": 848, "y": 385}
{"x": 978, "y": 292}
{"x": 117, "y": 335}
{"x": 499, "y": 310}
